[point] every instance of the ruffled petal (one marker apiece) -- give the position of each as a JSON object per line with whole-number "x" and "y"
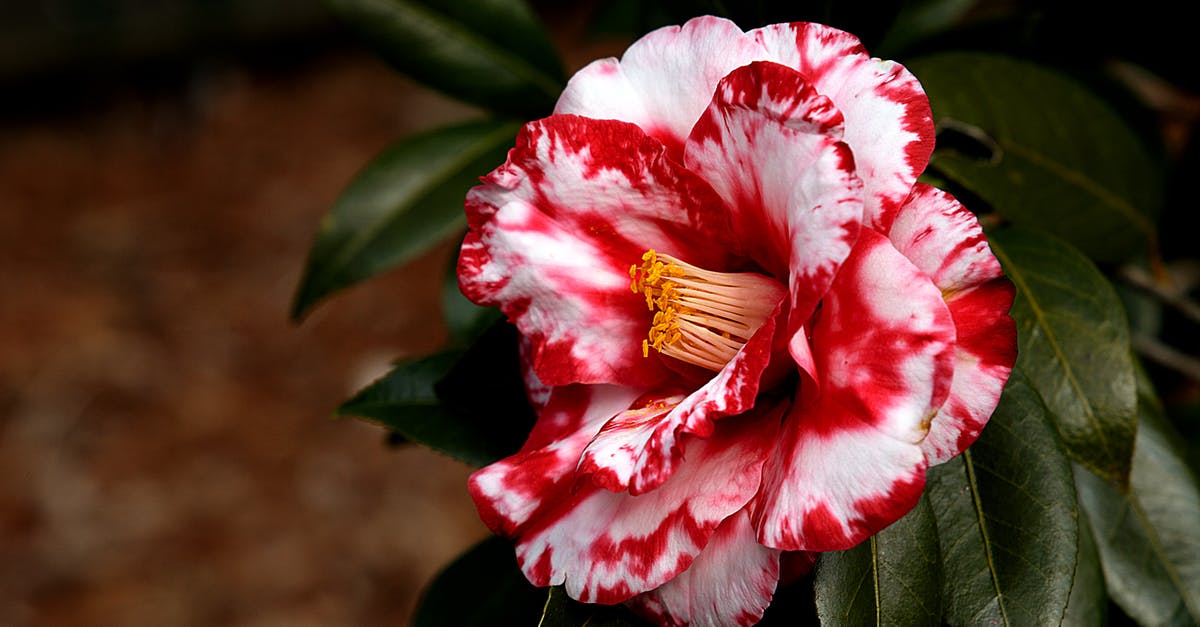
{"x": 664, "y": 80}
{"x": 943, "y": 239}
{"x": 850, "y": 460}
{"x": 833, "y": 481}
{"x": 554, "y": 232}
{"x": 771, "y": 147}
{"x": 884, "y": 341}
{"x": 639, "y": 449}
{"x": 606, "y": 547}
{"x": 511, "y": 492}
{"x": 983, "y": 361}
{"x": 730, "y": 583}
{"x": 888, "y": 122}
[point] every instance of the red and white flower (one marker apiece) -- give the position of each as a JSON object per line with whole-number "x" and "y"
{"x": 746, "y": 328}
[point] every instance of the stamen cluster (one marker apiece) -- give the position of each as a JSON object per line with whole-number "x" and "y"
{"x": 700, "y": 316}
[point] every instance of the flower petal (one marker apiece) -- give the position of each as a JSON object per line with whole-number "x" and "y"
{"x": 833, "y": 481}
{"x": 771, "y": 147}
{"x": 664, "y": 80}
{"x": 730, "y": 583}
{"x": 984, "y": 358}
{"x": 943, "y": 239}
{"x": 884, "y": 341}
{"x": 639, "y": 449}
{"x": 850, "y": 461}
{"x": 888, "y": 122}
{"x": 554, "y": 232}
{"x": 603, "y": 546}
{"x": 514, "y": 490}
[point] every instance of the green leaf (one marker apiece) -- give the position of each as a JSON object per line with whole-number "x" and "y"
{"x": 1073, "y": 344}
{"x": 561, "y": 610}
{"x": 404, "y": 401}
{"x": 403, "y": 203}
{"x": 492, "y": 53}
{"x": 1055, "y": 157}
{"x": 470, "y": 406}
{"x": 483, "y": 587}
{"x": 894, "y": 578}
{"x": 465, "y": 320}
{"x": 1006, "y": 519}
{"x": 1149, "y": 539}
{"x": 486, "y": 390}
{"x": 1088, "y": 604}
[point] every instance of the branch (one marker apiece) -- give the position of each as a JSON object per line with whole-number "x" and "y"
{"x": 1164, "y": 355}
{"x": 1174, "y": 297}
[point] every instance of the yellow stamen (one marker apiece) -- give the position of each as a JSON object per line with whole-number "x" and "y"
{"x": 700, "y": 316}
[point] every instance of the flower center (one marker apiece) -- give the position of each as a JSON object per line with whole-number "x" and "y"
{"x": 701, "y": 317}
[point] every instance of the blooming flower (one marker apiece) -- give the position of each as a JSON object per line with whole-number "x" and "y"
{"x": 746, "y": 328}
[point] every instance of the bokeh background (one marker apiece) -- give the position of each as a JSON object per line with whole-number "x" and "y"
{"x": 167, "y": 451}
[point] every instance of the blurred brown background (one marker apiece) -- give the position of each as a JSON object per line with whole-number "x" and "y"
{"x": 167, "y": 455}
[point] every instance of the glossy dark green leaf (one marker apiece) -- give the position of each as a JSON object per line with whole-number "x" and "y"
{"x": 1074, "y": 346}
{"x": 409, "y": 199}
{"x": 465, "y": 320}
{"x": 561, "y": 610}
{"x": 468, "y": 405}
{"x": 486, "y": 390}
{"x": 1051, "y": 155}
{"x": 1088, "y": 605}
{"x": 1149, "y": 539}
{"x": 1006, "y": 519}
{"x": 894, "y": 578}
{"x": 492, "y": 53}
{"x": 482, "y": 588}
{"x": 404, "y": 401}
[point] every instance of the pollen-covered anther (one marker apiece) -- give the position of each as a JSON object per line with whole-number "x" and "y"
{"x": 700, "y": 316}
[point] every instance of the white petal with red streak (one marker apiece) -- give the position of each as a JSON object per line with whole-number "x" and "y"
{"x": 511, "y": 491}
{"x": 555, "y": 229}
{"x": 664, "y": 80}
{"x": 943, "y": 238}
{"x": 640, "y": 449}
{"x": 850, "y": 460}
{"x": 771, "y": 147}
{"x": 605, "y": 547}
{"x": 884, "y": 341}
{"x": 888, "y": 122}
{"x": 730, "y": 583}
{"x": 833, "y": 481}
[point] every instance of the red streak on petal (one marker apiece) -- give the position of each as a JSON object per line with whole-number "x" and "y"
{"x": 983, "y": 330}
{"x": 968, "y": 435}
{"x": 540, "y": 574}
{"x": 820, "y": 522}
{"x": 881, "y": 511}
{"x": 640, "y": 554}
{"x": 845, "y": 157}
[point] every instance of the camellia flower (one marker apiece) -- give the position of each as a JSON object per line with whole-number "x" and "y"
{"x": 745, "y": 327}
